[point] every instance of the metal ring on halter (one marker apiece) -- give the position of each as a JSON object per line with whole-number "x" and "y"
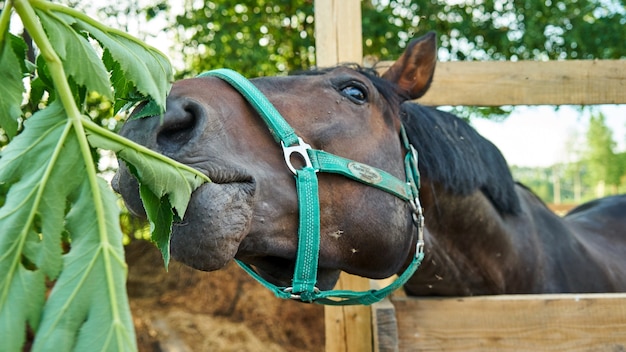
{"x": 296, "y": 296}
{"x": 419, "y": 246}
{"x": 301, "y": 149}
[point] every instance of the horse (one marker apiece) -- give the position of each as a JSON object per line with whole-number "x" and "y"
{"x": 484, "y": 233}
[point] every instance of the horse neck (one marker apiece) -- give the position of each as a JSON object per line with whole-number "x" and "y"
{"x": 471, "y": 248}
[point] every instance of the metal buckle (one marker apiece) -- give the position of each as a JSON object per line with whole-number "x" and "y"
{"x": 418, "y": 220}
{"x": 298, "y": 296}
{"x": 301, "y": 149}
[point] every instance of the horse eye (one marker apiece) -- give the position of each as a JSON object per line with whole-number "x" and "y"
{"x": 355, "y": 93}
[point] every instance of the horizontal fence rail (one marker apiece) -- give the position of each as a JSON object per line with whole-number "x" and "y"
{"x": 558, "y": 322}
{"x": 497, "y": 83}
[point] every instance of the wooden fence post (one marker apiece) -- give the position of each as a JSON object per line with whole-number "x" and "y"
{"x": 338, "y": 39}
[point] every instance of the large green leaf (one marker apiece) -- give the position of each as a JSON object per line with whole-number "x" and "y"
{"x": 164, "y": 177}
{"x": 59, "y": 221}
{"x": 165, "y": 186}
{"x": 87, "y": 309}
{"x": 44, "y": 167}
{"x": 147, "y": 68}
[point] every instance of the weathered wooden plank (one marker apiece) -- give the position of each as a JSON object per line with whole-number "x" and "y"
{"x": 349, "y": 328}
{"x": 338, "y": 37}
{"x": 385, "y": 326}
{"x": 497, "y": 83}
{"x": 572, "y": 322}
{"x": 326, "y": 49}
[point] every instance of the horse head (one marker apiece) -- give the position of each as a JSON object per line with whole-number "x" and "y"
{"x": 250, "y": 210}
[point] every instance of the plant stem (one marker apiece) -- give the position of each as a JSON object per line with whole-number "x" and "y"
{"x": 57, "y": 73}
{"x": 5, "y": 19}
{"x": 64, "y": 94}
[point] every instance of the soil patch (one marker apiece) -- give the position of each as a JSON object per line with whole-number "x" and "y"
{"x": 188, "y": 310}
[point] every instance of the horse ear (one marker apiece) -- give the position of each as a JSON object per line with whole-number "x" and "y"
{"x": 413, "y": 71}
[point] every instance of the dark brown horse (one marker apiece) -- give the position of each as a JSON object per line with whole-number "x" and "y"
{"x": 484, "y": 234}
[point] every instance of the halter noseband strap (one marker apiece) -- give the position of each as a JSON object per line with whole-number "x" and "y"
{"x": 305, "y": 272}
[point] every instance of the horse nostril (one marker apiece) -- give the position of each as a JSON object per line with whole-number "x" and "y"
{"x": 179, "y": 124}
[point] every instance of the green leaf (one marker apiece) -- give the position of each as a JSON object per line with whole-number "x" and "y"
{"x": 164, "y": 177}
{"x": 42, "y": 166}
{"x": 88, "y": 303}
{"x": 150, "y": 108}
{"x": 165, "y": 185}
{"x": 160, "y": 215}
{"x": 147, "y": 68}
{"x": 54, "y": 196}
{"x": 87, "y": 309}
{"x": 26, "y": 295}
{"x": 79, "y": 57}
{"x": 126, "y": 95}
{"x": 12, "y": 87}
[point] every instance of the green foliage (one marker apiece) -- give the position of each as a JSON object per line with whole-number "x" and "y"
{"x": 500, "y": 29}
{"x": 604, "y": 165}
{"x": 165, "y": 191}
{"x": 256, "y": 38}
{"x": 262, "y": 38}
{"x": 265, "y": 38}
{"x": 60, "y": 221}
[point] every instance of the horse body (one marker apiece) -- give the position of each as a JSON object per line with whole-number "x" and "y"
{"x": 473, "y": 250}
{"x": 484, "y": 234}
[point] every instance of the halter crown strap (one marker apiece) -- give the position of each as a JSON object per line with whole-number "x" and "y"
{"x": 280, "y": 129}
{"x": 305, "y": 271}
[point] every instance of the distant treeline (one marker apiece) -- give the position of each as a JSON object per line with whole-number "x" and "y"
{"x": 571, "y": 183}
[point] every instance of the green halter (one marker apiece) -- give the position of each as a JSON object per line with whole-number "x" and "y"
{"x": 305, "y": 273}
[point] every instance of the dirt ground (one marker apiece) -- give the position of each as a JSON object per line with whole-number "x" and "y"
{"x": 186, "y": 310}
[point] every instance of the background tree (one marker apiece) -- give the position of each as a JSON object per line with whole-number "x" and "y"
{"x": 254, "y": 37}
{"x": 265, "y": 38}
{"x": 260, "y": 38}
{"x": 604, "y": 164}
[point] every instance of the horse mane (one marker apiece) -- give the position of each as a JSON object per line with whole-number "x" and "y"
{"x": 454, "y": 155}
{"x": 451, "y": 152}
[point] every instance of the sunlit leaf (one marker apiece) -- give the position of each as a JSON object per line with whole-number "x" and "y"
{"x": 147, "y": 68}
{"x": 165, "y": 188}
{"x": 79, "y": 57}
{"x": 60, "y": 223}
{"x": 26, "y": 294}
{"x": 162, "y": 178}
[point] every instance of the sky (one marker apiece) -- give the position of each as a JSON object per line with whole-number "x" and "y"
{"x": 537, "y": 136}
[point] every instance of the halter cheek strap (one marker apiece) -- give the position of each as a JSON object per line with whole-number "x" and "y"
{"x": 305, "y": 273}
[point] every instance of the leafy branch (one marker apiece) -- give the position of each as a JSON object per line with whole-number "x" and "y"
{"x": 59, "y": 219}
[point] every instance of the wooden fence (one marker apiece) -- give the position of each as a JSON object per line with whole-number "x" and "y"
{"x": 559, "y": 322}
{"x": 573, "y": 322}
